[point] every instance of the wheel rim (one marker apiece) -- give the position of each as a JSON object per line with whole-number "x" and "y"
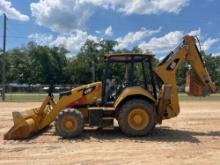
{"x": 69, "y": 124}
{"x": 138, "y": 119}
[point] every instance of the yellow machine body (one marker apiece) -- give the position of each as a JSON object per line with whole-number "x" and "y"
{"x": 133, "y": 92}
{"x": 166, "y": 103}
{"x": 167, "y": 71}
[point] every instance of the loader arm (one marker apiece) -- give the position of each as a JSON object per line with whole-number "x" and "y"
{"x": 167, "y": 70}
{"x": 31, "y": 121}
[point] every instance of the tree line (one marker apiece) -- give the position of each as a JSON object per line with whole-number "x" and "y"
{"x": 36, "y": 64}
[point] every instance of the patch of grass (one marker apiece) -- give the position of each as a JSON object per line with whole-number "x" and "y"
{"x": 39, "y": 97}
{"x": 27, "y": 97}
{"x": 213, "y": 97}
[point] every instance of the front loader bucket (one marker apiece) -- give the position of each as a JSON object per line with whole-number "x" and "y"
{"x": 25, "y": 124}
{"x": 28, "y": 122}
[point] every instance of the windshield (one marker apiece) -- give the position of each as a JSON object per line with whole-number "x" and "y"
{"x": 122, "y": 75}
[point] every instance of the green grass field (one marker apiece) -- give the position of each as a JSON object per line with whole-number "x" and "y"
{"x": 213, "y": 97}
{"x": 38, "y": 97}
{"x": 27, "y": 97}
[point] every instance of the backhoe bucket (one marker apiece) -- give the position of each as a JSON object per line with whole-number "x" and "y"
{"x": 194, "y": 86}
{"x": 25, "y": 124}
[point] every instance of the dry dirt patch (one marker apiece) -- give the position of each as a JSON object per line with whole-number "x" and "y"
{"x": 191, "y": 138}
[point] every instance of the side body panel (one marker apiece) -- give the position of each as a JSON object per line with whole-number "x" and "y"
{"x": 133, "y": 91}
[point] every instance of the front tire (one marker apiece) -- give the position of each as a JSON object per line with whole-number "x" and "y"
{"x": 137, "y": 117}
{"x": 69, "y": 123}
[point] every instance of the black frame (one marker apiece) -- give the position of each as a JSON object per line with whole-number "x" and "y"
{"x": 131, "y": 58}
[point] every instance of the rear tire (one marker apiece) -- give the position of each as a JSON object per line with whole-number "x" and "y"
{"x": 69, "y": 123}
{"x": 137, "y": 117}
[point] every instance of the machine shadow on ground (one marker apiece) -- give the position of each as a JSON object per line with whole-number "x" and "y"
{"x": 159, "y": 134}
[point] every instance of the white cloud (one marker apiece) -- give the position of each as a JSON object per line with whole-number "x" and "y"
{"x": 61, "y": 15}
{"x": 65, "y": 15}
{"x": 143, "y": 7}
{"x": 195, "y": 33}
{"x": 134, "y": 37}
{"x": 72, "y": 41}
{"x": 108, "y": 31}
{"x": 164, "y": 43}
{"x": 41, "y": 39}
{"x": 208, "y": 43}
{"x": 146, "y": 7}
{"x": 7, "y": 8}
{"x": 169, "y": 41}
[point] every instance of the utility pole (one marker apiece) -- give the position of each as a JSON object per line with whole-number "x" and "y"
{"x": 3, "y": 57}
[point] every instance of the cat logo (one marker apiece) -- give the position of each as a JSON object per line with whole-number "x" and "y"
{"x": 88, "y": 90}
{"x": 173, "y": 64}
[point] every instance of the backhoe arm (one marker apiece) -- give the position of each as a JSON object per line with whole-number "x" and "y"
{"x": 167, "y": 70}
{"x": 201, "y": 76}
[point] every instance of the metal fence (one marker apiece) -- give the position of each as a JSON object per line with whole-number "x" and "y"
{"x": 34, "y": 88}
{"x": 31, "y": 92}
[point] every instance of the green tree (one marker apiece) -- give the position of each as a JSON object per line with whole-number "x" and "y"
{"x": 33, "y": 64}
{"x": 212, "y": 63}
{"x": 90, "y": 59}
{"x": 18, "y": 66}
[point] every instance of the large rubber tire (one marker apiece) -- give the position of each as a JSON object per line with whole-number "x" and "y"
{"x": 128, "y": 108}
{"x": 69, "y": 123}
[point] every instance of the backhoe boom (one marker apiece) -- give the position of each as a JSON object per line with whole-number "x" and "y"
{"x": 167, "y": 70}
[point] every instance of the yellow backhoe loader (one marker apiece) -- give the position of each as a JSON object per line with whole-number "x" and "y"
{"x": 138, "y": 103}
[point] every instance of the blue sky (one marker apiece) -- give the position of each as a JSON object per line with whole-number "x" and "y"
{"x": 158, "y": 25}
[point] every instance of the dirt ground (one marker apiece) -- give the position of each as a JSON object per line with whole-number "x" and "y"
{"x": 191, "y": 138}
